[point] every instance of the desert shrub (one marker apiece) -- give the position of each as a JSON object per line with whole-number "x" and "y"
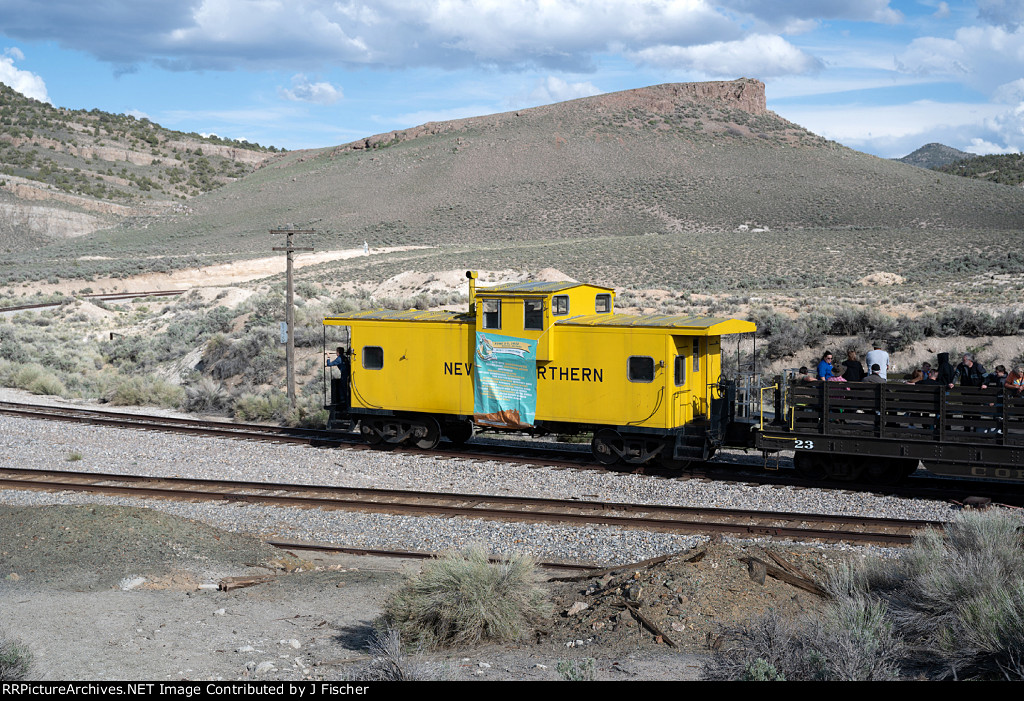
{"x": 206, "y": 396}
{"x": 463, "y": 599}
{"x": 852, "y": 641}
{"x": 769, "y": 642}
{"x": 11, "y": 347}
{"x": 951, "y": 606}
{"x": 255, "y": 356}
{"x": 47, "y": 384}
{"x": 958, "y": 596}
{"x": 308, "y": 412}
{"x": 15, "y": 660}
{"x": 269, "y": 406}
{"x": 145, "y": 389}
{"x": 21, "y": 375}
{"x": 786, "y": 336}
{"x": 576, "y": 670}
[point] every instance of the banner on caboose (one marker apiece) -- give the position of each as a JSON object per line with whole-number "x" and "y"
{"x": 505, "y": 381}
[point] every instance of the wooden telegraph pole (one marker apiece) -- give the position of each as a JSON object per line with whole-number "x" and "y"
{"x": 290, "y": 305}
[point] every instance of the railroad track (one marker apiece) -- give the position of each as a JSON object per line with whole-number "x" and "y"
{"x": 102, "y": 296}
{"x": 533, "y": 455}
{"x": 663, "y": 518}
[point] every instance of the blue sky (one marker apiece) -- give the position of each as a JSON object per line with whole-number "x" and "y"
{"x": 881, "y": 76}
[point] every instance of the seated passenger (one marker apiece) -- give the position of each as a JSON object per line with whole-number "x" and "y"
{"x": 825, "y": 371}
{"x": 854, "y": 371}
{"x": 1015, "y": 380}
{"x": 931, "y": 380}
{"x": 876, "y": 375}
{"x": 805, "y": 375}
{"x": 997, "y": 377}
{"x": 946, "y": 371}
{"x": 970, "y": 373}
{"x": 920, "y": 374}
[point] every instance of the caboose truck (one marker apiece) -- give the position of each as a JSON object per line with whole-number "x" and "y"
{"x": 541, "y": 357}
{"x": 849, "y": 431}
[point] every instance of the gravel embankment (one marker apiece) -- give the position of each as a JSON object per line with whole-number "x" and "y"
{"x": 49, "y": 445}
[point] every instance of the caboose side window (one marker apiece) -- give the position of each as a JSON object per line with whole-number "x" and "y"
{"x": 680, "y": 370}
{"x": 373, "y": 357}
{"x": 492, "y": 313}
{"x": 640, "y": 368}
{"x": 696, "y": 355}
{"x": 533, "y": 310}
{"x": 603, "y": 304}
{"x": 560, "y": 305}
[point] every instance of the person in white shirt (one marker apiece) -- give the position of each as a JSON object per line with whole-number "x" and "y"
{"x": 879, "y": 357}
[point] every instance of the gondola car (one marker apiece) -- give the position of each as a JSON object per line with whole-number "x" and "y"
{"x": 541, "y": 357}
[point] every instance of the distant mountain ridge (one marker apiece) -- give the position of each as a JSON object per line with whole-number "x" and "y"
{"x": 667, "y": 159}
{"x": 934, "y": 155}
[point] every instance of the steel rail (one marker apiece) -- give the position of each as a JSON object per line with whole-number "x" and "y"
{"x": 532, "y": 455}
{"x": 665, "y": 518}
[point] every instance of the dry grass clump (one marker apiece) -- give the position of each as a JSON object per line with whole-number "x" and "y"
{"x": 463, "y": 599}
{"x": 952, "y": 606}
{"x": 390, "y": 663}
{"x": 145, "y": 390}
{"x": 15, "y": 660}
{"x": 852, "y": 641}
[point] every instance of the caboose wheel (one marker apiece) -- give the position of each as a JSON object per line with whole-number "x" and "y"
{"x": 371, "y": 431}
{"x": 431, "y": 433}
{"x": 607, "y": 446}
{"x": 458, "y": 432}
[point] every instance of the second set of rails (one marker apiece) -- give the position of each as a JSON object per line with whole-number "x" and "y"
{"x": 743, "y": 523}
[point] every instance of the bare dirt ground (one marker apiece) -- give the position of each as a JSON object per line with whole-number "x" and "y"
{"x": 224, "y": 274}
{"x": 104, "y": 592}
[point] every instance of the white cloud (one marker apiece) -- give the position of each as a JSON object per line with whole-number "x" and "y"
{"x": 554, "y": 89}
{"x": 757, "y": 56}
{"x": 778, "y": 12}
{"x": 983, "y": 148}
{"x": 321, "y": 93}
{"x": 27, "y": 83}
{"x": 893, "y": 131}
{"x": 225, "y": 34}
{"x": 942, "y": 11}
{"x": 1005, "y": 13}
{"x": 981, "y": 57}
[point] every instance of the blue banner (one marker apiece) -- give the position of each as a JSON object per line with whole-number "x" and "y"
{"x": 505, "y": 381}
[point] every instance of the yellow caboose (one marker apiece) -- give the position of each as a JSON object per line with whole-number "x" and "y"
{"x": 539, "y": 357}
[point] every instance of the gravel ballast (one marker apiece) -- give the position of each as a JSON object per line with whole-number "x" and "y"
{"x": 72, "y": 591}
{"x": 50, "y": 445}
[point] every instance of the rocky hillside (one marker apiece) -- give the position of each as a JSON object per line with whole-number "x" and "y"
{"x": 934, "y": 155}
{"x": 1005, "y": 169}
{"x": 668, "y": 159}
{"x": 66, "y": 173}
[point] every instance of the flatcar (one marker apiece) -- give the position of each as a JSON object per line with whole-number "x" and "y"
{"x": 555, "y": 357}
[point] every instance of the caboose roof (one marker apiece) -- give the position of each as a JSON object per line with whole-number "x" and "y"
{"x": 545, "y": 288}
{"x": 688, "y": 325}
{"x": 443, "y": 317}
